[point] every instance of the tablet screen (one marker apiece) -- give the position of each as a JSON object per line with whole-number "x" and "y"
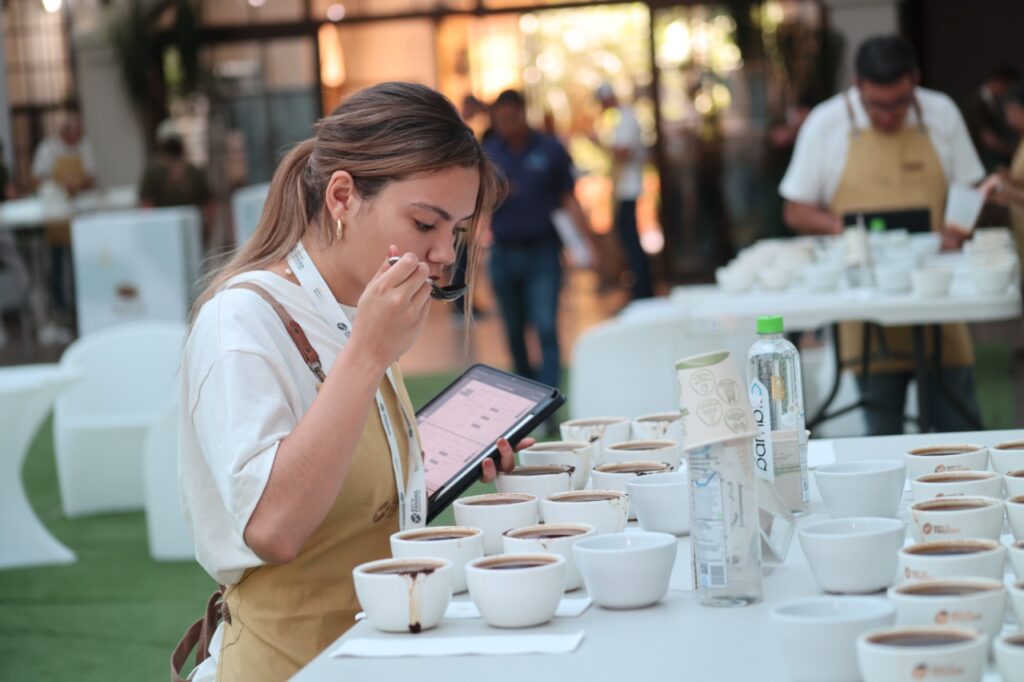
{"x": 463, "y": 422}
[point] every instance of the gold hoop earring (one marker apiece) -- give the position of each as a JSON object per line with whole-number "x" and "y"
{"x": 339, "y": 230}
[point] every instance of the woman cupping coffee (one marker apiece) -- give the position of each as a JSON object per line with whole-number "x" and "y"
{"x": 299, "y": 450}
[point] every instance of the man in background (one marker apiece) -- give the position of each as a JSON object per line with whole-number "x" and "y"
{"x": 525, "y": 258}
{"x": 888, "y": 144}
{"x": 66, "y": 158}
{"x": 628, "y": 156}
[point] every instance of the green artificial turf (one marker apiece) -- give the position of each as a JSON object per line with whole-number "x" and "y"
{"x": 116, "y": 613}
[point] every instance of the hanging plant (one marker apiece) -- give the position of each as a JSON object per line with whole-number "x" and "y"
{"x": 140, "y": 41}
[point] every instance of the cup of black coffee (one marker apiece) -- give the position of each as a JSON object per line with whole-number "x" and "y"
{"x": 899, "y": 654}
{"x": 517, "y": 590}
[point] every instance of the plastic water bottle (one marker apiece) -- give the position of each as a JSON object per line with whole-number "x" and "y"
{"x": 776, "y": 397}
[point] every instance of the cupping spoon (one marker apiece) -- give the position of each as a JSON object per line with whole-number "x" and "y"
{"x": 446, "y": 293}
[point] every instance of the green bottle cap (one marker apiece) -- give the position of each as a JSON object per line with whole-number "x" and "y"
{"x": 877, "y": 225}
{"x": 771, "y": 324}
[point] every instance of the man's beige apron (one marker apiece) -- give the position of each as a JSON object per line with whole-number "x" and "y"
{"x": 893, "y": 171}
{"x": 281, "y": 617}
{"x": 1016, "y": 210}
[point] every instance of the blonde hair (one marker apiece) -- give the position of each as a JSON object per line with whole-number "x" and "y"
{"x": 379, "y": 135}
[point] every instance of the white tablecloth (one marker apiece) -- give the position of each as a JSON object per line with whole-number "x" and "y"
{"x": 676, "y": 639}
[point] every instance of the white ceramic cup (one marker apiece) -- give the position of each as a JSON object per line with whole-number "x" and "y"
{"x": 1013, "y": 483}
{"x": 614, "y": 476}
{"x": 855, "y": 555}
{"x": 936, "y": 459}
{"x": 576, "y": 454}
{"x": 404, "y": 595}
{"x": 962, "y": 659}
{"x": 891, "y": 278}
{"x": 978, "y": 603}
{"x": 626, "y": 570}
{"x": 1015, "y": 516}
{"x": 818, "y": 635}
{"x": 1016, "y": 591}
{"x": 1007, "y": 456}
{"x": 550, "y": 538}
{"x": 1015, "y": 552}
{"x": 661, "y": 502}
{"x": 517, "y": 597}
{"x": 1009, "y": 651}
{"x": 957, "y": 484}
{"x": 952, "y": 559}
{"x": 822, "y": 278}
{"x": 605, "y": 510}
{"x": 957, "y": 518}
{"x": 659, "y": 426}
{"x": 668, "y": 451}
{"x": 457, "y": 544}
{"x": 931, "y": 281}
{"x": 864, "y": 488}
{"x": 496, "y": 513}
{"x": 538, "y": 480}
{"x": 992, "y": 280}
{"x": 601, "y": 431}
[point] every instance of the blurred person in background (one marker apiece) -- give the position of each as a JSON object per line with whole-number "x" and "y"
{"x": 991, "y": 133}
{"x": 299, "y": 455}
{"x": 1006, "y": 186}
{"x": 526, "y": 252}
{"x": 14, "y": 279}
{"x": 171, "y": 180}
{"x": 887, "y": 144}
{"x": 628, "y": 155}
{"x": 66, "y": 158}
{"x": 62, "y": 161}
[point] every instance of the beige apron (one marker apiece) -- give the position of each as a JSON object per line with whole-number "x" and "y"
{"x": 1016, "y": 210}
{"x": 894, "y": 171}
{"x": 282, "y": 616}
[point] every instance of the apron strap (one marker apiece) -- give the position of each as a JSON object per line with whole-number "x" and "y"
{"x": 295, "y": 331}
{"x": 199, "y": 635}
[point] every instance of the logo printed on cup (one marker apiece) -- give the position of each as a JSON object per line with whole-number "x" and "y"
{"x": 729, "y": 392}
{"x": 927, "y": 529}
{"x": 710, "y": 411}
{"x": 737, "y": 421}
{"x": 703, "y": 381}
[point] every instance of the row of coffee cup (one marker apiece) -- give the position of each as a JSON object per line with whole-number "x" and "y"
{"x": 935, "y": 459}
{"x": 660, "y": 501}
{"x": 521, "y": 587}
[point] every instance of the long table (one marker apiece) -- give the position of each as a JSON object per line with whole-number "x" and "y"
{"x": 676, "y": 639}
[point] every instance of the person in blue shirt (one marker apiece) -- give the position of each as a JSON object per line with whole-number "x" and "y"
{"x": 525, "y": 259}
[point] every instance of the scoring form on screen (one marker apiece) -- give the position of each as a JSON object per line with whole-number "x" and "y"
{"x": 468, "y": 422}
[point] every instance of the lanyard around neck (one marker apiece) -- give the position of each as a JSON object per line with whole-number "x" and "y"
{"x": 412, "y": 496}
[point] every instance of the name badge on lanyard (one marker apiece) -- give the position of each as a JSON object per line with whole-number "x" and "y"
{"x": 411, "y": 497}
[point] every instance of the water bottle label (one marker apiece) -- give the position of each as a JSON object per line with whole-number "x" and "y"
{"x": 760, "y": 402}
{"x": 708, "y": 529}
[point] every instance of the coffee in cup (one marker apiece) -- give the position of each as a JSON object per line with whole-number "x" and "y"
{"x": 911, "y": 653}
{"x": 962, "y": 602}
{"x": 496, "y": 513}
{"x": 457, "y": 544}
{"x": 956, "y": 518}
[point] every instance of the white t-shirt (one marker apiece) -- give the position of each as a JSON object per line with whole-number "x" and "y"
{"x": 629, "y": 176}
{"x": 821, "y": 146}
{"x": 244, "y": 387}
{"x": 53, "y": 148}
